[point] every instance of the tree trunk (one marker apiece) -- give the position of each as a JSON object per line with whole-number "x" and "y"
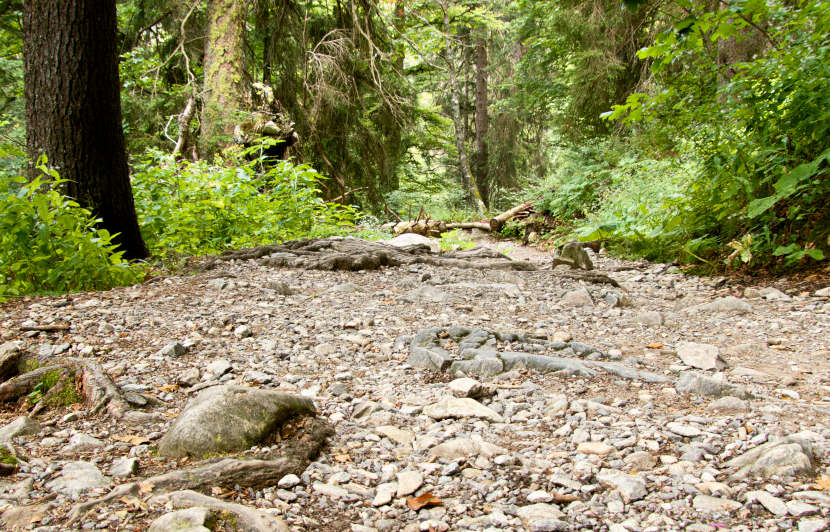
{"x": 480, "y": 166}
{"x": 73, "y": 109}
{"x": 226, "y": 83}
{"x": 458, "y": 120}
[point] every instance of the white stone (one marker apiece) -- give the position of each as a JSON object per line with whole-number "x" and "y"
{"x": 408, "y": 482}
{"x": 701, "y": 356}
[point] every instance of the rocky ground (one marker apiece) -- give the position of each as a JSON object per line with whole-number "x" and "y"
{"x": 671, "y": 402}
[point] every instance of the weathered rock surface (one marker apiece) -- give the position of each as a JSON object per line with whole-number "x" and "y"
{"x": 227, "y": 419}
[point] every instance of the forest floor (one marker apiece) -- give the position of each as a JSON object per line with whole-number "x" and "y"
{"x": 620, "y": 446}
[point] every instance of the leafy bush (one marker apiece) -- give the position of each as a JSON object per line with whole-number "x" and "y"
{"x": 196, "y": 209}
{"x": 50, "y": 244}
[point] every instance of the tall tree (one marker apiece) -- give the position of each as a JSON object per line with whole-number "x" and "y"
{"x": 73, "y": 109}
{"x": 227, "y": 82}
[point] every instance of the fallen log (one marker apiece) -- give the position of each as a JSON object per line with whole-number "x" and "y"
{"x": 497, "y": 222}
{"x": 468, "y": 225}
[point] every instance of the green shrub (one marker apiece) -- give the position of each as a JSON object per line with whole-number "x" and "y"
{"x": 196, "y": 209}
{"x": 50, "y": 244}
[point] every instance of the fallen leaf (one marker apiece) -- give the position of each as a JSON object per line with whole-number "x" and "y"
{"x": 132, "y": 439}
{"x": 342, "y": 458}
{"x": 421, "y": 501}
{"x": 134, "y": 503}
{"x": 169, "y": 388}
{"x": 654, "y": 345}
{"x": 145, "y": 488}
{"x": 823, "y": 483}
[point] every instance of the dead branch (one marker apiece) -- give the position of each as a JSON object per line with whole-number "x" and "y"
{"x": 57, "y": 327}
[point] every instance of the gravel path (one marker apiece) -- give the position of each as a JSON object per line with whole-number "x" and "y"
{"x": 521, "y": 448}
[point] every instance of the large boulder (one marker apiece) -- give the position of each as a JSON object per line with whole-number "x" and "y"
{"x": 228, "y": 419}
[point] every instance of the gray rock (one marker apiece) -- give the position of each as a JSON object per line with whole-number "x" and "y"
{"x": 219, "y": 367}
{"x": 189, "y": 377}
{"x": 627, "y": 372}
{"x": 695, "y": 383}
{"x": 630, "y": 487}
{"x": 773, "y": 294}
{"x": 428, "y": 357}
{"x": 384, "y": 494}
{"x": 651, "y": 318}
{"x": 701, "y": 356}
{"x": 77, "y": 478}
{"x": 124, "y": 467}
{"x": 773, "y": 504}
{"x": 467, "y": 387}
{"x": 454, "y": 407}
{"x": 195, "y": 519}
{"x": 728, "y": 404}
{"x": 409, "y": 482}
{"x": 464, "y": 448}
{"x": 729, "y": 304}
{"x": 640, "y": 461}
{"x": 823, "y": 292}
{"x": 22, "y": 426}
{"x": 812, "y": 525}
{"x": 429, "y": 294}
{"x": 800, "y": 509}
{"x": 243, "y": 331}
{"x": 542, "y": 516}
{"x": 568, "y": 366}
{"x": 786, "y": 457}
{"x": 680, "y": 429}
{"x": 172, "y": 350}
{"x": 578, "y": 298}
{"x": 226, "y": 419}
{"x": 79, "y": 443}
{"x": 574, "y": 255}
{"x": 245, "y": 518}
{"x": 706, "y": 503}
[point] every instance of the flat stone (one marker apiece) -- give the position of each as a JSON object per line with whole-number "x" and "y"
{"x": 467, "y": 387}
{"x": 640, "y": 461}
{"x": 630, "y": 487}
{"x": 22, "y": 426}
{"x": 729, "y": 304}
{"x": 23, "y": 517}
{"x": 681, "y": 429}
{"x": 595, "y": 447}
{"x": 243, "y": 331}
{"x": 695, "y": 383}
{"x": 77, "y": 478}
{"x": 650, "y": 318}
{"x": 728, "y": 404}
{"x": 823, "y": 292}
{"x": 219, "y": 367}
{"x": 80, "y": 443}
{"x": 706, "y": 503}
{"x": 539, "y": 515}
{"x": 800, "y": 509}
{"x": 480, "y": 367}
{"x": 408, "y": 482}
{"x": 454, "y": 407}
{"x": 539, "y": 496}
{"x": 786, "y": 457}
{"x": 399, "y": 436}
{"x": 195, "y": 519}
{"x": 700, "y": 356}
{"x": 225, "y": 419}
{"x": 429, "y": 357}
{"x": 331, "y": 491}
{"x": 124, "y": 467}
{"x": 289, "y": 481}
{"x": 770, "y": 502}
{"x": 464, "y": 448}
{"x": 812, "y": 525}
{"x": 384, "y": 493}
{"x": 577, "y": 298}
{"x": 412, "y": 239}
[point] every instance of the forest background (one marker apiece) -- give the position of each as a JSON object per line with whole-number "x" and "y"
{"x": 681, "y": 130}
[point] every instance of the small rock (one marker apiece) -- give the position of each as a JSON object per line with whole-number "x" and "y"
{"x": 219, "y": 367}
{"x": 823, "y": 292}
{"x": 773, "y": 504}
{"x": 799, "y": 509}
{"x": 706, "y": 503}
{"x": 595, "y": 447}
{"x": 467, "y": 387}
{"x": 77, "y": 478}
{"x": 542, "y": 516}
{"x": 189, "y": 377}
{"x": 695, "y": 383}
{"x": 640, "y": 461}
{"x": 288, "y": 481}
{"x": 683, "y": 430}
{"x": 243, "y": 331}
{"x": 22, "y": 426}
{"x": 334, "y": 492}
{"x": 79, "y": 443}
{"x": 124, "y": 467}
{"x": 701, "y": 356}
{"x": 453, "y": 407}
{"x": 384, "y": 493}
{"x": 539, "y": 496}
{"x": 812, "y": 525}
{"x": 578, "y": 298}
{"x": 650, "y": 319}
{"x": 787, "y": 457}
{"x": 630, "y": 487}
{"x": 172, "y": 350}
{"x": 728, "y": 404}
{"x": 195, "y": 519}
{"x": 409, "y": 482}
{"x": 399, "y": 436}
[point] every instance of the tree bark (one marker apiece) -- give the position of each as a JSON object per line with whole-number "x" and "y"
{"x": 458, "y": 121}
{"x": 226, "y": 83}
{"x": 73, "y": 109}
{"x": 481, "y": 163}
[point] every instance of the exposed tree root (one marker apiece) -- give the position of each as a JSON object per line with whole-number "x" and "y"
{"x": 349, "y": 254}
{"x": 291, "y": 457}
{"x": 25, "y": 374}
